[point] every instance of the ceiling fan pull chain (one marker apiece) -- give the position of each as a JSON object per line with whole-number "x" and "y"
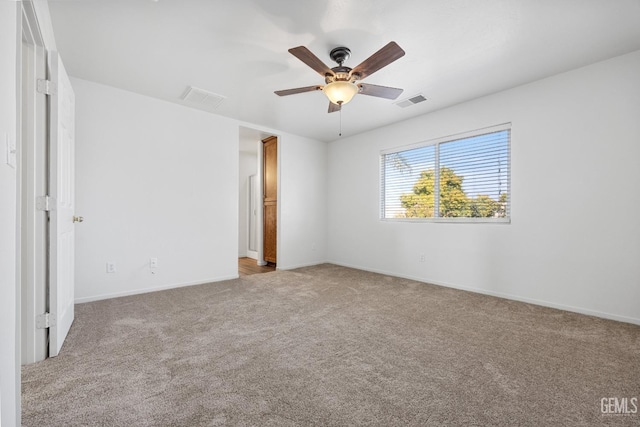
{"x": 340, "y": 133}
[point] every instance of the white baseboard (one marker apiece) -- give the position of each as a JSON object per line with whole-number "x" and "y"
{"x": 542, "y": 303}
{"x": 147, "y": 290}
{"x": 292, "y": 267}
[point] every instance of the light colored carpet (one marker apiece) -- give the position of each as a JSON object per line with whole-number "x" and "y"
{"x": 329, "y": 345}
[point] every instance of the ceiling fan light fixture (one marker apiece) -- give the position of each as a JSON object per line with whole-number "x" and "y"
{"x": 340, "y": 92}
{"x": 341, "y": 81}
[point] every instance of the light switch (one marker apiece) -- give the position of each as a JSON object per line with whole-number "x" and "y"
{"x": 10, "y": 150}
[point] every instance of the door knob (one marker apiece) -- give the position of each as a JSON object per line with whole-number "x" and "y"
{"x": 78, "y": 219}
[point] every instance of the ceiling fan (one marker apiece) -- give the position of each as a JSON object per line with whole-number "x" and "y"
{"x": 342, "y": 82}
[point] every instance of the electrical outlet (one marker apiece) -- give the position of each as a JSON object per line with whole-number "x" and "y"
{"x": 111, "y": 267}
{"x": 153, "y": 262}
{"x": 423, "y": 258}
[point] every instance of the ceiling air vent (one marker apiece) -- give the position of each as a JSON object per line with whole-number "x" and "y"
{"x": 202, "y": 99}
{"x": 411, "y": 101}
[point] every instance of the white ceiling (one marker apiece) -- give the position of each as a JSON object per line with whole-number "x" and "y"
{"x": 456, "y": 50}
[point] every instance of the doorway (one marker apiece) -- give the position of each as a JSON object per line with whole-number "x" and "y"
{"x": 46, "y": 187}
{"x": 251, "y": 249}
{"x": 270, "y": 199}
{"x": 33, "y": 183}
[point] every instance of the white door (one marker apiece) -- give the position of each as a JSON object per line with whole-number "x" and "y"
{"x": 61, "y": 192}
{"x": 34, "y": 221}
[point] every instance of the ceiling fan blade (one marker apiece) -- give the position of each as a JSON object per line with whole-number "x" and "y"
{"x": 297, "y": 90}
{"x": 334, "y": 107}
{"x": 306, "y": 56}
{"x": 381, "y": 58}
{"x": 379, "y": 91}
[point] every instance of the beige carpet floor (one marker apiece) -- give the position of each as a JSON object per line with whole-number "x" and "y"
{"x": 333, "y": 346}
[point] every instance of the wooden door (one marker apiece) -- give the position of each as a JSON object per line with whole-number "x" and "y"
{"x": 270, "y": 206}
{"x": 253, "y": 213}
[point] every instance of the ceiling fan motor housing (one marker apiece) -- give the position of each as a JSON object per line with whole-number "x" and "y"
{"x": 340, "y": 74}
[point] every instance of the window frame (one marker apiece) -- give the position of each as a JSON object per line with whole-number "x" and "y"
{"x": 436, "y": 142}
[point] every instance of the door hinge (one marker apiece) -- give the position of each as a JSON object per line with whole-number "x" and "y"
{"x": 46, "y": 86}
{"x": 45, "y": 321}
{"x": 45, "y": 203}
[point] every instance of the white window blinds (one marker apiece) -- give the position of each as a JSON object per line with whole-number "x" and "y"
{"x": 459, "y": 178}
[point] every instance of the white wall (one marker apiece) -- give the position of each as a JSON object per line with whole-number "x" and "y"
{"x": 153, "y": 179}
{"x": 248, "y": 166}
{"x": 9, "y": 301}
{"x": 302, "y": 237}
{"x": 156, "y": 179}
{"x": 574, "y": 240}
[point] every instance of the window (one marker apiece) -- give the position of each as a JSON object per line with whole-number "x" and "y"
{"x": 459, "y": 178}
